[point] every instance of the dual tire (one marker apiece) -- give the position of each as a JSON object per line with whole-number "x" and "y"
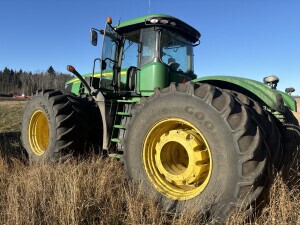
{"x": 196, "y": 146}
{"x": 56, "y": 125}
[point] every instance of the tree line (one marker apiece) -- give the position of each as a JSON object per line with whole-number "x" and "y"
{"x": 22, "y": 82}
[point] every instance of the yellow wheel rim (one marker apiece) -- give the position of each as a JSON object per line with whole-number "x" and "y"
{"x": 38, "y": 132}
{"x": 177, "y": 159}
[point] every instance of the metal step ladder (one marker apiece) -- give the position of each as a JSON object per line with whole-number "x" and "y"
{"x": 119, "y": 128}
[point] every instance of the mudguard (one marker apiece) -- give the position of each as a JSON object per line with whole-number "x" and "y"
{"x": 257, "y": 90}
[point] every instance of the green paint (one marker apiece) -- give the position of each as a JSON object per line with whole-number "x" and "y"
{"x": 119, "y": 127}
{"x": 131, "y": 100}
{"x": 263, "y": 92}
{"x": 75, "y": 87}
{"x": 152, "y": 75}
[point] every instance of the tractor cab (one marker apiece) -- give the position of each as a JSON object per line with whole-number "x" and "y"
{"x": 144, "y": 53}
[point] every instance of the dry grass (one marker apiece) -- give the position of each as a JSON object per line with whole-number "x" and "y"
{"x": 87, "y": 192}
{"x": 283, "y": 206}
{"x": 10, "y": 122}
{"x": 94, "y": 191}
{"x": 10, "y": 115}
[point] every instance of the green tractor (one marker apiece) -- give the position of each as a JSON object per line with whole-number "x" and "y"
{"x": 207, "y": 143}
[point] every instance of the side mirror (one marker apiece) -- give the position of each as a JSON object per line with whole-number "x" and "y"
{"x": 94, "y": 37}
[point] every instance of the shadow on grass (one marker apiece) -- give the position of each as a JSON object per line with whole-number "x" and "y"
{"x": 11, "y": 147}
{"x": 291, "y": 168}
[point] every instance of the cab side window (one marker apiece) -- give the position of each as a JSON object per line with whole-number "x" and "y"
{"x": 149, "y": 46}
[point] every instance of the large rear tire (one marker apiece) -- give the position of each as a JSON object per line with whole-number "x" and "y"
{"x": 55, "y": 125}
{"x": 196, "y": 146}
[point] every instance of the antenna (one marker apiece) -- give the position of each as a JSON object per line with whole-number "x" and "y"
{"x": 149, "y": 5}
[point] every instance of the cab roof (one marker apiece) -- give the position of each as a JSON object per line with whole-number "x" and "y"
{"x": 160, "y": 20}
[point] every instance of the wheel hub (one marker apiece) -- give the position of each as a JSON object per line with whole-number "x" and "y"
{"x": 38, "y": 134}
{"x": 177, "y": 159}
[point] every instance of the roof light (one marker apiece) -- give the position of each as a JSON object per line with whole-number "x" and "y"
{"x": 173, "y": 23}
{"x": 154, "y": 20}
{"x": 164, "y": 21}
{"x": 109, "y": 20}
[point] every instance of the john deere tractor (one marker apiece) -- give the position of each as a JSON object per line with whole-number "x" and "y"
{"x": 207, "y": 143}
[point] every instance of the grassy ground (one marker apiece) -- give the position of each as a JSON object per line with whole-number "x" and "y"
{"x": 10, "y": 115}
{"x": 94, "y": 190}
{"x": 10, "y": 122}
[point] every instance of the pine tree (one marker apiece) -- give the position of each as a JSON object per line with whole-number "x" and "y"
{"x": 51, "y": 71}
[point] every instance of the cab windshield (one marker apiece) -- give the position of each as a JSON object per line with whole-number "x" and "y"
{"x": 110, "y": 45}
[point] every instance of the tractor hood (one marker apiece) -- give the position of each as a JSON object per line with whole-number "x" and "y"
{"x": 257, "y": 90}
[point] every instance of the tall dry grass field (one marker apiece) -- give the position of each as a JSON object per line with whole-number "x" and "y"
{"x": 94, "y": 191}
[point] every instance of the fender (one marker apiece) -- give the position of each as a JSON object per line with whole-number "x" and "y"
{"x": 254, "y": 89}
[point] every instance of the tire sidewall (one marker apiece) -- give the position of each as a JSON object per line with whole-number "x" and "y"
{"x": 224, "y": 176}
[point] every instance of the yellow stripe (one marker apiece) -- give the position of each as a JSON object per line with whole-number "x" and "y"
{"x": 76, "y": 80}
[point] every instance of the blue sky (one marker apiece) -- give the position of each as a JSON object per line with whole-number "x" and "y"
{"x": 247, "y": 38}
